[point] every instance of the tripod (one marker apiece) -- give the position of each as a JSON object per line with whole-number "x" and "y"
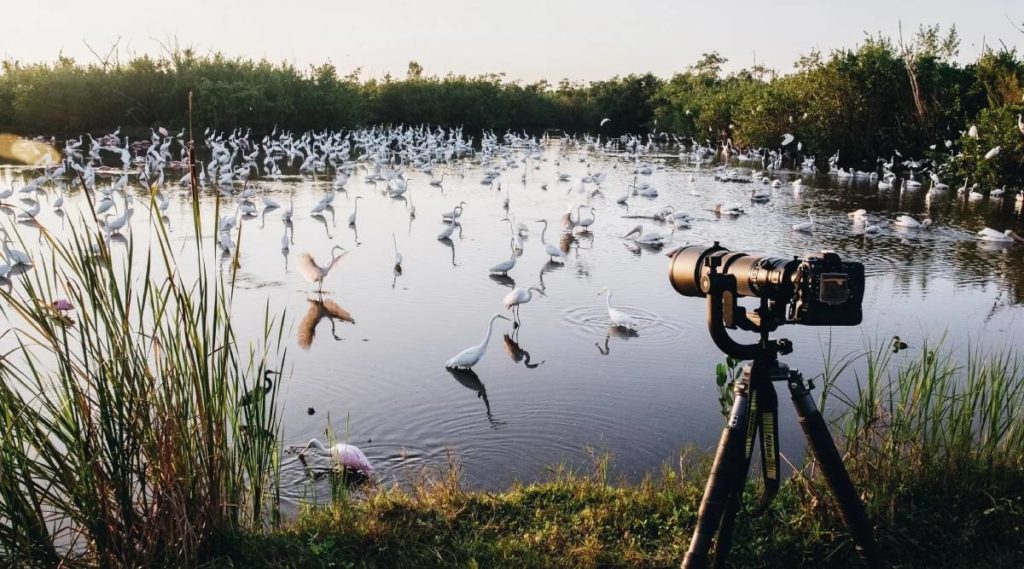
{"x": 754, "y": 410}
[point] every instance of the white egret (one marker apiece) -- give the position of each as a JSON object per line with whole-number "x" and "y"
{"x": 314, "y": 273}
{"x": 585, "y": 222}
{"x": 449, "y": 229}
{"x": 504, "y": 267}
{"x": 269, "y": 203}
{"x": 806, "y": 226}
{"x": 617, "y": 317}
{"x": 15, "y": 257}
{"x": 355, "y": 210}
{"x": 116, "y": 224}
{"x": 518, "y": 297}
{"x": 551, "y": 251}
{"x": 344, "y": 455}
{"x": 469, "y": 357}
{"x": 455, "y": 214}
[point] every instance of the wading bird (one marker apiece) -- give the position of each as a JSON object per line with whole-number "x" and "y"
{"x": 550, "y": 250}
{"x": 518, "y": 297}
{"x": 616, "y": 316}
{"x": 469, "y": 357}
{"x": 314, "y": 273}
{"x": 344, "y": 455}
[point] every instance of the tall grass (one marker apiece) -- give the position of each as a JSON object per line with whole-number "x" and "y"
{"x": 123, "y": 440}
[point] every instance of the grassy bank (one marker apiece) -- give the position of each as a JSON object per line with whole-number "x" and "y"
{"x": 584, "y": 521}
{"x": 934, "y": 446}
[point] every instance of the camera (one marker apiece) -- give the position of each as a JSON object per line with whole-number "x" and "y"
{"x": 818, "y": 290}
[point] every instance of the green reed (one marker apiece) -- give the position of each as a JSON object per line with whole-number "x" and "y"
{"x": 123, "y": 439}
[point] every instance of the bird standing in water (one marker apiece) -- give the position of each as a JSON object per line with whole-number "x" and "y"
{"x": 314, "y": 273}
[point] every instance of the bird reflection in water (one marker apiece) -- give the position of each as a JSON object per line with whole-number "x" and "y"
{"x": 320, "y": 308}
{"x": 516, "y": 352}
{"x": 447, "y": 242}
{"x": 618, "y": 332}
{"x": 320, "y": 218}
{"x": 470, "y": 380}
{"x": 503, "y": 280}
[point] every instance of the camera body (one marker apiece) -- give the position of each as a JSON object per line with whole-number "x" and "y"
{"x": 828, "y": 291}
{"x": 818, "y": 290}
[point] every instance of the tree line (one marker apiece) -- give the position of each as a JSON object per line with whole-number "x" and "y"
{"x": 885, "y": 97}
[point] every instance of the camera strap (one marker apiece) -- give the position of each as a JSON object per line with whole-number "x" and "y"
{"x": 763, "y": 420}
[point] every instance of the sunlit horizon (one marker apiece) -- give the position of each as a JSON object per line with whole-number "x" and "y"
{"x": 529, "y": 41}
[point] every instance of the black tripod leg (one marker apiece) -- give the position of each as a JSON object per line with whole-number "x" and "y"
{"x": 729, "y": 460}
{"x": 758, "y": 397}
{"x": 824, "y": 449}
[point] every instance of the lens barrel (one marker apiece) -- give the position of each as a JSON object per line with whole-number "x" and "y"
{"x": 755, "y": 275}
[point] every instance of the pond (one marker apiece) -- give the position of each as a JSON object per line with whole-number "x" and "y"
{"x": 368, "y": 353}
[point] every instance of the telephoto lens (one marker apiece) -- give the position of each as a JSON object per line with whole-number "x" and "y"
{"x": 820, "y": 289}
{"x": 755, "y": 275}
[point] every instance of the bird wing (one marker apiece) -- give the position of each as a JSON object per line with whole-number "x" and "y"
{"x": 308, "y": 268}
{"x": 335, "y": 261}
{"x": 307, "y": 326}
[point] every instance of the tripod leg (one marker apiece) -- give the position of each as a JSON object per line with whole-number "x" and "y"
{"x": 729, "y": 459}
{"x": 762, "y": 399}
{"x": 824, "y": 449}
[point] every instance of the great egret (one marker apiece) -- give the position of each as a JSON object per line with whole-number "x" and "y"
{"x": 585, "y": 222}
{"x": 549, "y": 249}
{"x": 616, "y": 316}
{"x": 447, "y": 231}
{"x": 116, "y": 224}
{"x": 314, "y": 273}
{"x": 469, "y": 357}
{"x": 992, "y": 153}
{"x": 14, "y": 256}
{"x": 269, "y": 203}
{"x": 517, "y": 297}
{"x": 455, "y": 214}
{"x": 355, "y": 210}
{"x": 806, "y": 226}
{"x": 344, "y": 455}
{"x": 505, "y": 266}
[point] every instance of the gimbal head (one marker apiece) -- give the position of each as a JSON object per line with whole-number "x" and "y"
{"x": 725, "y": 313}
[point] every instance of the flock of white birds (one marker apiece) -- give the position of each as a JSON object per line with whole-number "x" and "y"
{"x": 387, "y": 158}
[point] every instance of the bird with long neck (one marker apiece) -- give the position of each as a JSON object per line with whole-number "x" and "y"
{"x": 314, "y": 273}
{"x": 617, "y": 317}
{"x": 469, "y": 357}
{"x": 551, "y": 251}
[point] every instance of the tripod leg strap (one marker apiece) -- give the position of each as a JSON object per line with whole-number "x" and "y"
{"x": 767, "y": 418}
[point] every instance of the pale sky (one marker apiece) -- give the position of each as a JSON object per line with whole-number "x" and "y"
{"x": 526, "y": 39}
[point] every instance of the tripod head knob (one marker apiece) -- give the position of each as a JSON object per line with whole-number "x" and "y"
{"x": 785, "y": 346}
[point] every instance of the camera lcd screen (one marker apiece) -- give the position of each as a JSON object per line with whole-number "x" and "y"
{"x": 834, "y": 289}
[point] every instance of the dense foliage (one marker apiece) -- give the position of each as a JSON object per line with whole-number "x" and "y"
{"x": 878, "y": 99}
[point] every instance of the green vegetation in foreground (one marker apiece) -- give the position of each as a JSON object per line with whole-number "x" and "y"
{"x": 936, "y": 449}
{"x": 123, "y": 439}
{"x": 882, "y": 97}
